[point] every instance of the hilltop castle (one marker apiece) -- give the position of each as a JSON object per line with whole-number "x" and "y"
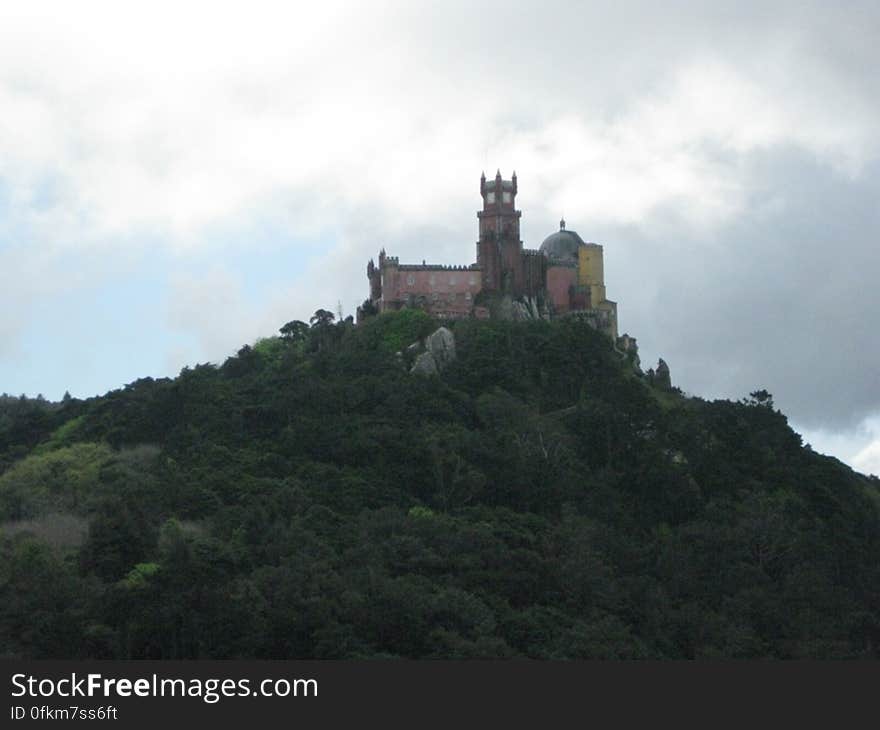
{"x": 564, "y": 277}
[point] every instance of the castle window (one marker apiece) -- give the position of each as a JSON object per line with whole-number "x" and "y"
{"x": 410, "y": 280}
{"x": 451, "y": 281}
{"x": 490, "y": 197}
{"x": 505, "y": 197}
{"x": 467, "y": 295}
{"x": 473, "y": 280}
{"x": 431, "y": 280}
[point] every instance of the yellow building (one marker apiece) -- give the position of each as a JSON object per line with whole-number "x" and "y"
{"x": 576, "y": 279}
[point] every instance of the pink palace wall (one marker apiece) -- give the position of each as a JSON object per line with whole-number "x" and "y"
{"x": 559, "y": 280}
{"x": 446, "y": 290}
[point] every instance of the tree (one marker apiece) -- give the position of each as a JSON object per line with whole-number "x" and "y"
{"x": 760, "y": 398}
{"x": 322, "y": 329}
{"x": 119, "y": 538}
{"x": 322, "y": 318}
{"x": 295, "y": 331}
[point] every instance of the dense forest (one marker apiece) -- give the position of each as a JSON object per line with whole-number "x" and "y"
{"x": 310, "y": 498}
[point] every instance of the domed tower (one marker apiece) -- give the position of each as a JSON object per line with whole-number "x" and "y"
{"x": 576, "y": 278}
{"x": 561, "y": 251}
{"x": 563, "y": 245}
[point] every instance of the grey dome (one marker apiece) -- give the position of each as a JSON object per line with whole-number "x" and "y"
{"x": 562, "y": 245}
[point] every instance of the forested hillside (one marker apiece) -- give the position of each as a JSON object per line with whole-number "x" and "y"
{"x": 309, "y": 498}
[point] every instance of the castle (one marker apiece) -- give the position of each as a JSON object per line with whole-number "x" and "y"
{"x": 564, "y": 277}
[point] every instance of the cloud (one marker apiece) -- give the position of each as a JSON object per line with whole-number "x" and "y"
{"x": 174, "y": 127}
{"x": 210, "y": 307}
{"x": 859, "y": 447}
{"x": 868, "y": 459}
{"x": 781, "y": 296}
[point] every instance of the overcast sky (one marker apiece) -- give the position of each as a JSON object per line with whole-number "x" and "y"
{"x": 178, "y": 179}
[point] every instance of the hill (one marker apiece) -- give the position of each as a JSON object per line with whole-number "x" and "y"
{"x": 310, "y": 498}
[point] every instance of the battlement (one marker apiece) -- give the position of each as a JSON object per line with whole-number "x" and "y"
{"x": 436, "y": 267}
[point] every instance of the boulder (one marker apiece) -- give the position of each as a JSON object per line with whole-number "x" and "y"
{"x": 439, "y": 352}
{"x": 425, "y": 364}
{"x": 441, "y": 344}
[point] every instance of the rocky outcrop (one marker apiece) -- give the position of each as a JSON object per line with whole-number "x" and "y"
{"x": 660, "y": 378}
{"x": 439, "y": 351}
{"x": 505, "y": 307}
{"x": 425, "y": 364}
{"x": 527, "y": 308}
{"x": 441, "y": 344}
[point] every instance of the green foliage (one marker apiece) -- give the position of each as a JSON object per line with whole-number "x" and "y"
{"x": 321, "y": 318}
{"x": 140, "y": 577}
{"x": 311, "y": 499}
{"x": 270, "y": 350}
{"x": 26, "y": 422}
{"x": 60, "y": 480}
{"x": 294, "y": 331}
{"x": 395, "y": 331}
{"x": 65, "y": 435}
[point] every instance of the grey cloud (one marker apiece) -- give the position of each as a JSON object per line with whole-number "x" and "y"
{"x": 782, "y": 297}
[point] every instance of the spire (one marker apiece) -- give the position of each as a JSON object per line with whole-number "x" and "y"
{"x": 498, "y": 174}
{"x": 483, "y": 176}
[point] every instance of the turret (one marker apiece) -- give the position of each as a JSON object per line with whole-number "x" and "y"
{"x": 499, "y": 250}
{"x": 374, "y": 275}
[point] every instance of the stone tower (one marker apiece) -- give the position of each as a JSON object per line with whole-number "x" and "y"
{"x": 499, "y": 250}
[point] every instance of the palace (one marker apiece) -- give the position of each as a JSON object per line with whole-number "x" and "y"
{"x": 565, "y": 277}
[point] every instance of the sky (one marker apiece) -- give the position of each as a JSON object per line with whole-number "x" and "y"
{"x": 179, "y": 179}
